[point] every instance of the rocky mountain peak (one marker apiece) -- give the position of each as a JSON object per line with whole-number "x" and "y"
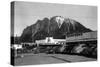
{"x": 56, "y": 27}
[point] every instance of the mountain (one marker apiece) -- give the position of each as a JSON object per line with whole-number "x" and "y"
{"x": 57, "y": 27}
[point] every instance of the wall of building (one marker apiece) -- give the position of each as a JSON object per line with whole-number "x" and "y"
{"x": 83, "y": 36}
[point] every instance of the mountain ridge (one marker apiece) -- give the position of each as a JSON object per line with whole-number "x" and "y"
{"x": 56, "y": 26}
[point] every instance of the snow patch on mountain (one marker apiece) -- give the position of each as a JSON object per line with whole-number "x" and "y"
{"x": 59, "y": 20}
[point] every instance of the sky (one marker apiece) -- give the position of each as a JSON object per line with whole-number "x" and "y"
{"x": 27, "y": 13}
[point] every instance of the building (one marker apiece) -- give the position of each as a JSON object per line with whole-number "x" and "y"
{"x": 51, "y": 41}
{"x": 88, "y": 37}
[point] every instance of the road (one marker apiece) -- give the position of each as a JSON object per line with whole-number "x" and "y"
{"x": 34, "y": 59}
